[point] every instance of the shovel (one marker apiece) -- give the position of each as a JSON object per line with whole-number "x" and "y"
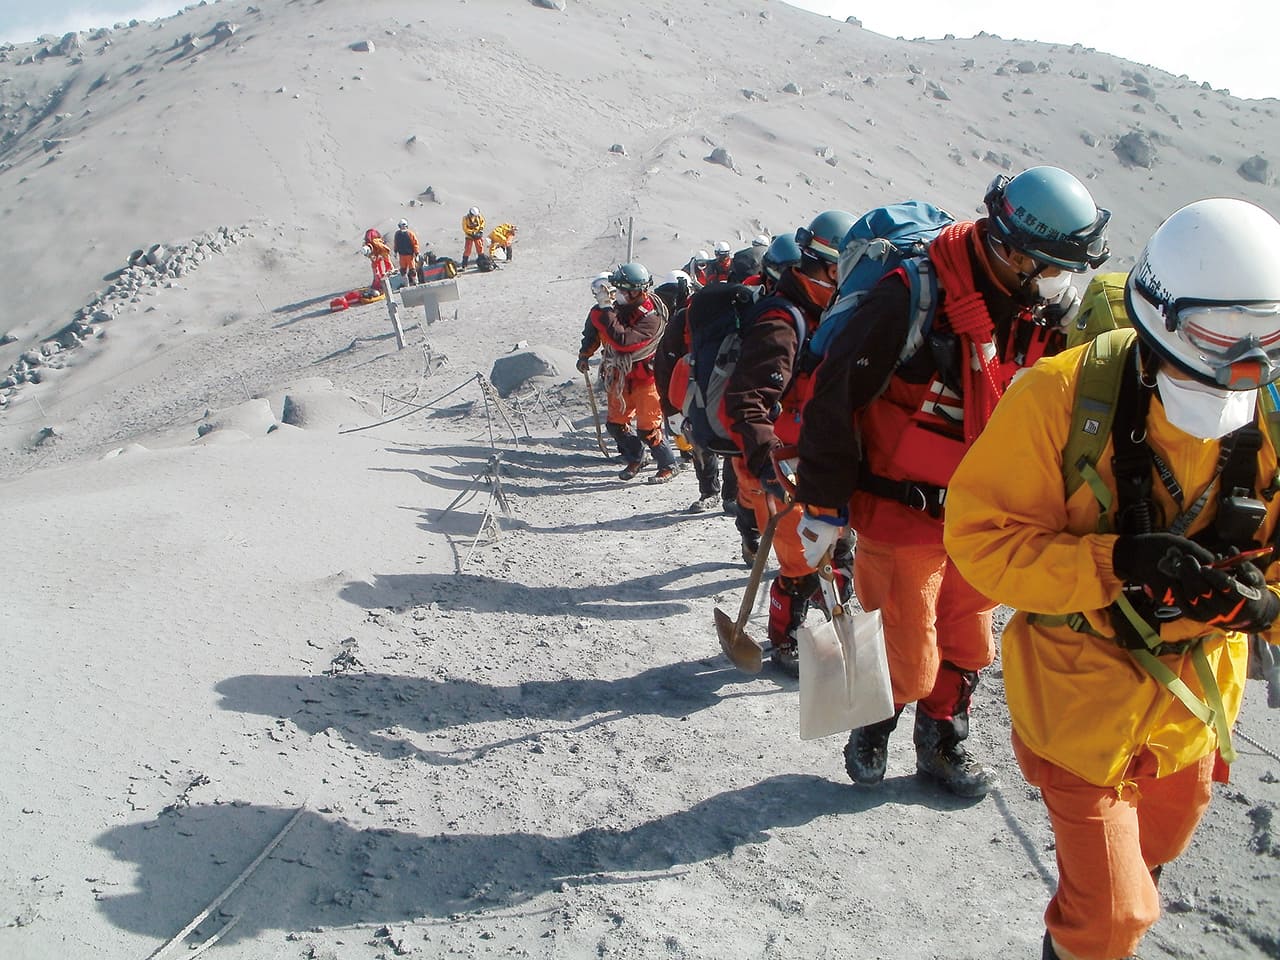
{"x": 595, "y": 411}
{"x": 742, "y": 651}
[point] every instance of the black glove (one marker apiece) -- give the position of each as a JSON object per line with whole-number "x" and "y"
{"x": 583, "y": 364}
{"x": 1235, "y": 598}
{"x": 1155, "y": 562}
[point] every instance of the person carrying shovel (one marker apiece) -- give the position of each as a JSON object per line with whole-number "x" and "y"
{"x": 763, "y": 402}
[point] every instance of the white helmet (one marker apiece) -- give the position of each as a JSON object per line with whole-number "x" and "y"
{"x": 1205, "y": 293}
{"x": 761, "y": 240}
{"x": 473, "y": 212}
{"x": 599, "y": 282}
{"x": 702, "y": 257}
{"x": 675, "y": 276}
{"x": 722, "y": 248}
{"x": 403, "y": 224}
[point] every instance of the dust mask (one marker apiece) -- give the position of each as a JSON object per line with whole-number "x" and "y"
{"x": 1206, "y": 412}
{"x": 1051, "y": 289}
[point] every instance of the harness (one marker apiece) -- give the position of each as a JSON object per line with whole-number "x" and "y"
{"x": 941, "y": 408}
{"x": 616, "y": 366}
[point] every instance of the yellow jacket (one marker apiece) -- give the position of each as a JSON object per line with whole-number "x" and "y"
{"x": 502, "y": 234}
{"x": 473, "y": 226}
{"x": 1080, "y": 701}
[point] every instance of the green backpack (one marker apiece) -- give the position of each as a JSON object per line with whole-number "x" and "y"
{"x": 1101, "y": 309}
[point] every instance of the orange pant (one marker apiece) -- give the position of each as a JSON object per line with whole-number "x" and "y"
{"x": 473, "y": 243}
{"x": 1108, "y": 841}
{"x": 786, "y": 540}
{"x": 639, "y": 401}
{"x": 930, "y": 614}
{"x": 406, "y": 262}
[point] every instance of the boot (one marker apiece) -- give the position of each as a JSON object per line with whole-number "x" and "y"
{"x": 940, "y": 754}
{"x": 465, "y": 260}
{"x": 867, "y": 753}
{"x": 788, "y": 605}
{"x": 662, "y": 455}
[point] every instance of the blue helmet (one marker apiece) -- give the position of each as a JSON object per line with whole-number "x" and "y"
{"x": 1050, "y": 216}
{"x": 632, "y": 276}
{"x": 783, "y": 252}
{"x": 824, "y": 236}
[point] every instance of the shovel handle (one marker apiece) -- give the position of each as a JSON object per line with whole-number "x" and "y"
{"x": 757, "y": 567}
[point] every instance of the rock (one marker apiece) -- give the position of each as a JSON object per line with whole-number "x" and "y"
{"x": 1257, "y": 169}
{"x": 1135, "y": 149}
{"x": 224, "y": 29}
{"x": 936, "y": 91}
{"x": 618, "y": 148}
{"x": 549, "y": 4}
{"x": 536, "y": 364}
{"x": 1089, "y": 139}
{"x": 68, "y": 45}
{"x": 1026, "y": 66}
{"x": 792, "y": 87}
{"x": 721, "y": 156}
{"x": 362, "y": 46}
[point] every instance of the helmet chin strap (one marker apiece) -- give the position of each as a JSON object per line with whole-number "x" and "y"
{"x": 1026, "y": 281}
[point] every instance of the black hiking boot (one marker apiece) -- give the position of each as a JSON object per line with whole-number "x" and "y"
{"x": 941, "y": 756}
{"x": 631, "y": 470}
{"x": 704, "y": 505}
{"x": 750, "y": 547}
{"x": 867, "y": 753}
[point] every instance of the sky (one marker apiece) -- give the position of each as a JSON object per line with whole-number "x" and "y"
{"x": 1229, "y": 43}
{"x": 1225, "y": 42}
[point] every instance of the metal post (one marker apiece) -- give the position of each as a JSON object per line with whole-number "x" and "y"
{"x": 393, "y": 313}
{"x": 631, "y": 222}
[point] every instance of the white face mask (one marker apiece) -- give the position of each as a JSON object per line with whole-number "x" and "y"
{"x": 1206, "y": 412}
{"x": 1052, "y": 288}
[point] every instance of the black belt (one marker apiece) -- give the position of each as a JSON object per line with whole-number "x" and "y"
{"x": 924, "y": 497}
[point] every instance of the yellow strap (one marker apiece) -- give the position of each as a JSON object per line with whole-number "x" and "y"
{"x": 1214, "y": 696}
{"x": 1167, "y": 678}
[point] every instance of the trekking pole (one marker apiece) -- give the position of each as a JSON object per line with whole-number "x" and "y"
{"x": 595, "y": 411}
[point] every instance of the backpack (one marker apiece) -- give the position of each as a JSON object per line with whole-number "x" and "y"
{"x": 745, "y": 263}
{"x": 881, "y": 241}
{"x": 717, "y": 316}
{"x": 484, "y": 262}
{"x": 1101, "y": 309}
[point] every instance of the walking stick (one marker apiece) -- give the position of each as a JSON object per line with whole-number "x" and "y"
{"x": 595, "y": 411}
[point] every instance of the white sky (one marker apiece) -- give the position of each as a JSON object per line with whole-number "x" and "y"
{"x": 1229, "y": 43}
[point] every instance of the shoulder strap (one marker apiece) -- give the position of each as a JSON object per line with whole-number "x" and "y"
{"x": 922, "y": 284}
{"x": 1093, "y": 412}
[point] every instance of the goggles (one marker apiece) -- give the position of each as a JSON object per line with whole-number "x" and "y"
{"x": 824, "y": 248}
{"x": 1238, "y": 362}
{"x": 1083, "y": 250}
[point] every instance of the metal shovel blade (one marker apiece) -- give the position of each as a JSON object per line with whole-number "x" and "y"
{"x": 743, "y": 652}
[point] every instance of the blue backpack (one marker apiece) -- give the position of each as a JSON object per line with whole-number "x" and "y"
{"x": 881, "y": 241}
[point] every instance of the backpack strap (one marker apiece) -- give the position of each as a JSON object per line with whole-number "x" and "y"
{"x": 1093, "y": 414}
{"x": 922, "y": 284}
